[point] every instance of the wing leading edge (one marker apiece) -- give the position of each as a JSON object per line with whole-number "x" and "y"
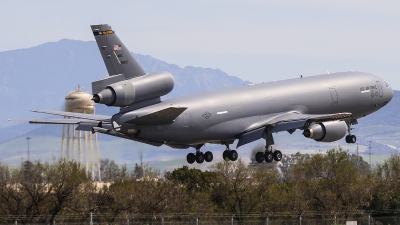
{"x": 289, "y": 121}
{"x": 90, "y": 117}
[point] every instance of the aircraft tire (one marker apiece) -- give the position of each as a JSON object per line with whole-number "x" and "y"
{"x": 208, "y": 156}
{"x": 190, "y": 158}
{"x": 199, "y": 157}
{"x": 352, "y": 138}
{"x": 225, "y": 155}
{"x": 277, "y": 155}
{"x": 269, "y": 157}
{"x": 260, "y": 157}
{"x": 233, "y": 155}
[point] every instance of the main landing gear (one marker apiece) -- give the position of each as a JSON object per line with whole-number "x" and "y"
{"x": 230, "y": 155}
{"x": 350, "y": 138}
{"x": 269, "y": 155}
{"x": 199, "y": 157}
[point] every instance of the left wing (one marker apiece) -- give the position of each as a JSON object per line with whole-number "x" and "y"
{"x": 288, "y": 121}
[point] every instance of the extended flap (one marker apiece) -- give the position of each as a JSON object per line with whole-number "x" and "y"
{"x": 164, "y": 116}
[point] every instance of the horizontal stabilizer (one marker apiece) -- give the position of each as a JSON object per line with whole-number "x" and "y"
{"x": 164, "y": 116}
{"x": 76, "y": 115}
{"x": 58, "y": 121}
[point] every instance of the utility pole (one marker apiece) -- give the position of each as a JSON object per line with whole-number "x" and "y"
{"x": 28, "y": 138}
{"x": 358, "y": 159}
{"x": 370, "y": 153}
{"x": 141, "y": 159}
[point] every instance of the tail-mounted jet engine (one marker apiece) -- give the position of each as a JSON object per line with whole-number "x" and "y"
{"x": 326, "y": 131}
{"x": 113, "y": 92}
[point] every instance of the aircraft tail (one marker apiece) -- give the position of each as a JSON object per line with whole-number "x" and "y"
{"x": 116, "y": 56}
{"x": 128, "y": 85}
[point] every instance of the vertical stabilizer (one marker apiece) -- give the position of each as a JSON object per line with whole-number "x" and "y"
{"x": 116, "y": 56}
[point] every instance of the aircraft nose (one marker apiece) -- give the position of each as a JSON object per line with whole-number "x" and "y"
{"x": 389, "y": 93}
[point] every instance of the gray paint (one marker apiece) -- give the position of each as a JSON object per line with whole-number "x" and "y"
{"x": 309, "y": 95}
{"x": 116, "y": 56}
{"x": 246, "y": 113}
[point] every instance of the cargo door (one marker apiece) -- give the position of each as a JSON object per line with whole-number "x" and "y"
{"x": 187, "y": 119}
{"x": 270, "y": 105}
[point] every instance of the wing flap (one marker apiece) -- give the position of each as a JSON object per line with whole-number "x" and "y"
{"x": 285, "y": 122}
{"x": 289, "y": 117}
{"x": 164, "y": 116}
{"x": 251, "y": 136}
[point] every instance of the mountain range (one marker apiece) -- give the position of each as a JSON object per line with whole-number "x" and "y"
{"x": 41, "y": 77}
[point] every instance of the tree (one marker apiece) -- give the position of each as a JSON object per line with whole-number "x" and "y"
{"x": 386, "y": 193}
{"x": 329, "y": 182}
{"x": 65, "y": 179}
{"x": 237, "y": 189}
{"x": 194, "y": 180}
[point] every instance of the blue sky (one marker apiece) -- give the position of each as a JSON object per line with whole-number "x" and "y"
{"x": 254, "y": 40}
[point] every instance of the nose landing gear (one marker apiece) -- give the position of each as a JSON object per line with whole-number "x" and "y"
{"x": 350, "y": 138}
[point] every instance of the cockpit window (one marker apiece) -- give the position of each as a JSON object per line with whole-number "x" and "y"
{"x": 387, "y": 85}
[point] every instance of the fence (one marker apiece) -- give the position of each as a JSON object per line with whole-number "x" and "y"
{"x": 272, "y": 218}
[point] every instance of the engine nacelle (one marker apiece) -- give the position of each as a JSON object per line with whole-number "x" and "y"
{"x": 326, "y": 131}
{"x": 137, "y": 89}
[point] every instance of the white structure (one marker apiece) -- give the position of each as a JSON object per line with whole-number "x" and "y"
{"x": 84, "y": 142}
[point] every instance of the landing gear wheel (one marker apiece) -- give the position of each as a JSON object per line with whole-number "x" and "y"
{"x": 190, "y": 158}
{"x": 225, "y": 155}
{"x": 208, "y": 156}
{"x": 277, "y": 155}
{"x": 260, "y": 157}
{"x": 351, "y": 138}
{"x": 199, "y": 157}
{"x": 269, "y": 157}
{"x": 233, "y": 155}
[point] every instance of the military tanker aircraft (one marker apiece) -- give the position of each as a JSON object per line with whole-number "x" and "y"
{"x": 324, "y": 107}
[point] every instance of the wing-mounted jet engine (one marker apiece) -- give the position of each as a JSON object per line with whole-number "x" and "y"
{"x": 326, "y": 131}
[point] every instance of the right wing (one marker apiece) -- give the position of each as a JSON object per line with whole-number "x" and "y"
{"x": 288, "y": 121}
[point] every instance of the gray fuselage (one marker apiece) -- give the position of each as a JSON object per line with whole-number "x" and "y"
{"x": 219, "y": 116}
